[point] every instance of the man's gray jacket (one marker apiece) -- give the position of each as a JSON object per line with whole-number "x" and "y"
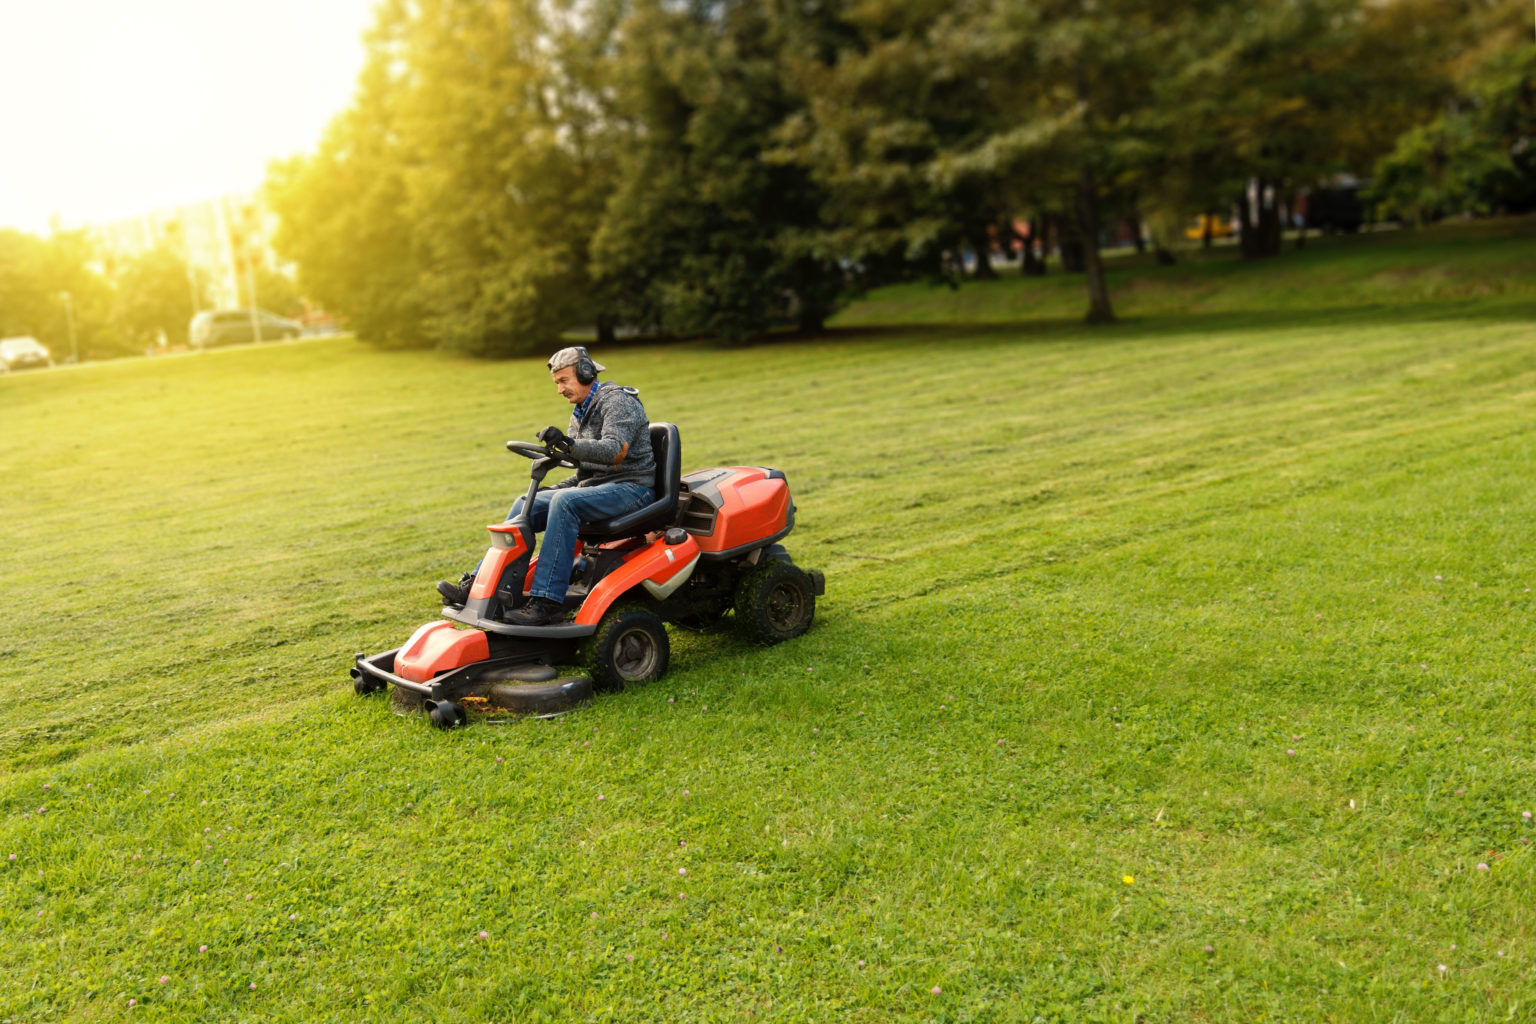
{"x": 612, "y": 442}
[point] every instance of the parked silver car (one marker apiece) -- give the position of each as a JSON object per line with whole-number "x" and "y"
{"x": 233, "y": 327}
{"x": 20, "y": 353}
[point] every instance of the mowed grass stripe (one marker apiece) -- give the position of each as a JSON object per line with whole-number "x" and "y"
{"x": 1236, "y": 613}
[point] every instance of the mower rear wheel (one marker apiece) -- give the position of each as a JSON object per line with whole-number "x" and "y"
{"x": 775, "y": 601}
{"x": 630, "y": 646}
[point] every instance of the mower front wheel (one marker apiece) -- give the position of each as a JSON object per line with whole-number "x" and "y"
{"x": 446, "y": 714}
{"x": 365, "y": 684}
{"x": 630, "y": 646}
{"x": 775, "y": 601}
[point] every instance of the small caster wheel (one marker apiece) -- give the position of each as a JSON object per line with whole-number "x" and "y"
{"x": 363, "y": 685}
{"x": 446, "y": 714}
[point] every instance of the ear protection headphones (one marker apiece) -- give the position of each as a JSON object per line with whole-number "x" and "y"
{"x": 586, "y": 370}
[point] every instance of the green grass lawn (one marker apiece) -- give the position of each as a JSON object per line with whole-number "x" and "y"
{"x": 1173, "y": 671}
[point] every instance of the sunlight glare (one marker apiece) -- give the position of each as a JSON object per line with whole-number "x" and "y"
{"x": 113, "y": 110}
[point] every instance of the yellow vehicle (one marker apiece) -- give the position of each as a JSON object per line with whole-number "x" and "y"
{"x": 1220, "y": 228}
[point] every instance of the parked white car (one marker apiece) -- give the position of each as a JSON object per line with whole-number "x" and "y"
{"x": 20, "y": 353}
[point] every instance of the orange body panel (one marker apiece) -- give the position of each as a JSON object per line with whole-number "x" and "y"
{"x": 508, "y": 546}
{"x": 752, "y": 505}
{"x": 438, "y": 647}
{"x": 658, "y": 562}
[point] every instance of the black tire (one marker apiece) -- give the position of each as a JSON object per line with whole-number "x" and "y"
{"x": 775, "y": 601}
{"x": 630, "y": 646}
{"x": 365, "y": 684}
{"x": 447, "y": 715}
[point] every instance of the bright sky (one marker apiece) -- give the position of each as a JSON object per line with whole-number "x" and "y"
{"x": 112, "y": 108}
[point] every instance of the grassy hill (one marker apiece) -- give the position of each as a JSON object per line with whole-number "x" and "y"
{"x": 1172, "y": 671}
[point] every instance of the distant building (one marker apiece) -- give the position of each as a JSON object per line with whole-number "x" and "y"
{"x": 216, "y": 237}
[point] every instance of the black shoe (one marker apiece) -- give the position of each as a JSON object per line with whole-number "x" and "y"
{"x": 539, "y": 611}
{"x": 454, "y": 593}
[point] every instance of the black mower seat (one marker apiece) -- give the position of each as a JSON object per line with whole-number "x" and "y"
{"x": 667, "y": 449}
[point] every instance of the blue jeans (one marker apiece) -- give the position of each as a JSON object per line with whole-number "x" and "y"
{"x": 559, "y": 513}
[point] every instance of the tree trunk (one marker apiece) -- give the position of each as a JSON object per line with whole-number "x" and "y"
{"x": 1163, "y": 257}
{"x": 984, "y": 270}
{"x": 1273, "y": 221}
{"x": 1099, "y": 309}
{"x": 1071, "y": 255}
{"x": 1207, "y": 221}
{"x": 1259, "y": 217}
{"x": 1247, "y": 227}
{"x": 1033, "y": 262}
{"x": 1068, "y": 242}
{"x": 605, "y": 333}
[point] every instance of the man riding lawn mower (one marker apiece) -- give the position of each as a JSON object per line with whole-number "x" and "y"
{"x": 629, "y": 544}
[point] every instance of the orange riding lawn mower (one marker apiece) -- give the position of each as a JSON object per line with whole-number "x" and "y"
{"x": 707, "y": 545}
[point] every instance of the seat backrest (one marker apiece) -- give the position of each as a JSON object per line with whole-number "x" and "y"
{"x": 667, "y": 450}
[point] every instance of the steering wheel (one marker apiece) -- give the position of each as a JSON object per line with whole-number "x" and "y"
{"x": 529, "y": 450}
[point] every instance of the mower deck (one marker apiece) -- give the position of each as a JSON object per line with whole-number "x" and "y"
{"x": 519, "y": 683}
{"x": 449, "y": 686}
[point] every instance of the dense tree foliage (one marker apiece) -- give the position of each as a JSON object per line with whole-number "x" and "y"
{"x": 344, "y": 214}
{"x": 702, "y": 232}
{"x": 514, "y": 169}
{"x": 1478, "y": 155}
{"x": 66, "y": 289}
{"x": 153, "y": 300}
{"x": 49, "y": 286}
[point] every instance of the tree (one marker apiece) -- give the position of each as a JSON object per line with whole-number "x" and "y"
{"x": 344, "y": 212}
{"x": 453, "y": 204}
{"x": 47, "y": 283}
{"x": 886, "y": 91}
{"x": 1275, "y": 97}
{"x": 702, "y": 234}
{"x": 1478, "y": 155}
{"x": 506, "y": 185}
{"x": 1075, "y": 128}
{"x": 153, "y": 298}
{"x": 25, "y": 306}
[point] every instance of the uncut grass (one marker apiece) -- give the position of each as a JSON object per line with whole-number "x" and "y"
{"x": 1086, "y": 593}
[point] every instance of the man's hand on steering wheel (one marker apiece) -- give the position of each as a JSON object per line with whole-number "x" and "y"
{"x": 554, "y": 437}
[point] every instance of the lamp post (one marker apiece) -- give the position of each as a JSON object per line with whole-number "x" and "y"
{"x": 245, "y": 248}
{"x": 69, "y": 318}
{"x": 250, "y": 277}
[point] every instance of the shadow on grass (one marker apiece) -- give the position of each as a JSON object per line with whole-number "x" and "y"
{"x": 1155, "y": 325}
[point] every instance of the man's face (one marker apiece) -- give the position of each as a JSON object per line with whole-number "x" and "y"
{"x": 571, "y": 389}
